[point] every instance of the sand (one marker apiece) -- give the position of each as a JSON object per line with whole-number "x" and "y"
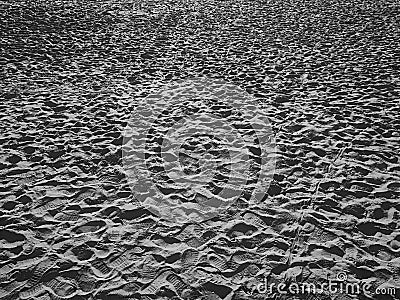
{"x": 327, "y": 76}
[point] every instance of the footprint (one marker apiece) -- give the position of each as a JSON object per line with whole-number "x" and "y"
{"x": 91, "y": 226}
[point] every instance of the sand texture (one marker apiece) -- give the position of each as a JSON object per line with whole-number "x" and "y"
{"x": 72, "y": 74}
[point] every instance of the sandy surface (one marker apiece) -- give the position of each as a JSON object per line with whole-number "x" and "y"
{"x": 327, "y": 74}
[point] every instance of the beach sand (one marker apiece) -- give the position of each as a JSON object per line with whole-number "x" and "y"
{"x": 327, "y": 76}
